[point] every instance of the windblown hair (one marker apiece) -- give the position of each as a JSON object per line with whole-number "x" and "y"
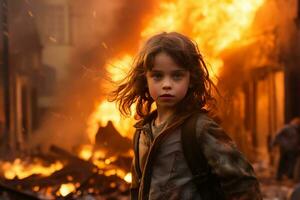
{"x": 133, "y": 89}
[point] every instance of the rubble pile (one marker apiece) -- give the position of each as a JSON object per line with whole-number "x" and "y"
{"x": 78, "y": 179}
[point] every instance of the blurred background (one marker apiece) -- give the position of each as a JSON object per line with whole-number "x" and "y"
{"x": 61, "y": 138}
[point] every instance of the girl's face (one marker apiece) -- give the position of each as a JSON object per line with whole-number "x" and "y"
{"x": 168, "y": 83}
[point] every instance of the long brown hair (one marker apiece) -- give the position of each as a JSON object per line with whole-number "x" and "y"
{"x": 133, "y": 89}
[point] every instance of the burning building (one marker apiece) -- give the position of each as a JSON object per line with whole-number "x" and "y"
{"x": 267, "y": 62}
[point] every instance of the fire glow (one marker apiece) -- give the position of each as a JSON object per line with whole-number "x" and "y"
{"x": 66, "y": 189}
{"x": 99, "y": 159}
{"x": 117, "y": 69}
{"x": 20, "y": 169}
{"x": 213, "y": 25}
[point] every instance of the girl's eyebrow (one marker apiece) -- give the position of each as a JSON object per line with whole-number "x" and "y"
{"x": 173, "y": 71}
{"x": 155, "y": 71}
{"x": 180, "y": 70}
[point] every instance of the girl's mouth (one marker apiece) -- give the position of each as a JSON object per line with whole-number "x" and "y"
{"x": 166, "y": 96}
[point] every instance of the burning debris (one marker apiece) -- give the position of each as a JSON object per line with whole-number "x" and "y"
{"x": 110, "y": 139}
{"x": 74, "y": 179}
{"x": 63, "y": 175}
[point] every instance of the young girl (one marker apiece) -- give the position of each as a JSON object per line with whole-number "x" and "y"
{"x": 169, "y": 71}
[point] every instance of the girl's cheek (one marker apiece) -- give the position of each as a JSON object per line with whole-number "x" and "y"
{"x": 153, "y": 94}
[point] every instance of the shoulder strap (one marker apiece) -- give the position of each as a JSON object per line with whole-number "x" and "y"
{"x": 194, "y": 157}
{"x": 207, "y": 184}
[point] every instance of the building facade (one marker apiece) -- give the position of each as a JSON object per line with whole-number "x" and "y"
{"x": 22, "y": 60}
{"x": 266, "y": 95}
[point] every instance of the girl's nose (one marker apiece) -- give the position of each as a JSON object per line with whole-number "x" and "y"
{"x": 167, "y": 84}
{"x": 166, "y": 87}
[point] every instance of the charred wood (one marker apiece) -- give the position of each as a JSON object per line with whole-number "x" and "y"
{"x": 17, "y": 194}
{"x": 110, "y": 139}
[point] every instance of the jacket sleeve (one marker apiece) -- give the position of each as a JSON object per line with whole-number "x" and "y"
{"x": 234, "y": 172}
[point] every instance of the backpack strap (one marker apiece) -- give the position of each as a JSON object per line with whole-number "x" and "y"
{"x": 207, "y": 184}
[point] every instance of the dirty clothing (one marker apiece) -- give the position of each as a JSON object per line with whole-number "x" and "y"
{"x": 288, "y": 140}
{"x": 162, "y": 184}
{"x": 161, "y": 172}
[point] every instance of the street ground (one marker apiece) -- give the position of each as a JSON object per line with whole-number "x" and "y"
{"x": 270, "y": 187}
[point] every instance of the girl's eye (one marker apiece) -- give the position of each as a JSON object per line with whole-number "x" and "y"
{"x": 178, "y": 76}
{"x": 156, "y": 76}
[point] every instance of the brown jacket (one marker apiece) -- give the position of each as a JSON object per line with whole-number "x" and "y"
{"x": 236, "y": 175}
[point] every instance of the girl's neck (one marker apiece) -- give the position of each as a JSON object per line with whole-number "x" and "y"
{"x": 163, "y": 115}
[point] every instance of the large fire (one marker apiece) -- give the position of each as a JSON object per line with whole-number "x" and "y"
{"x": 214, "y": 25}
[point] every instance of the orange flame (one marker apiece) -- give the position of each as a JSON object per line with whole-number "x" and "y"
{"x": 119, "y": 67}
{"x": 21, "y": 169}
{"x": 66, "y": 189}
{"x": 107, "y": 111}
{"x": 86, "y": 152}
{"x": 128, "y": 178}
{"x": 215, "y": 26}
{"x": 103, "y": 162}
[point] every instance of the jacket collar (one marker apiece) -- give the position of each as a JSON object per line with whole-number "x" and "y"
{"x": 178, "y": 119}
{"x": 144, "y": 123}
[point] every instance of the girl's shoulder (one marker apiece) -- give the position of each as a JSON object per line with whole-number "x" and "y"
{"x": 204, "y": 121}
{"x": 208, "y": 129}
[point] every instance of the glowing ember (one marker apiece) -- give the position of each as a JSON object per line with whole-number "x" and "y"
{"x": 100, "y": 164}
{"x": 52, "y": 39}
{"x": 66, "y": 189}
{"x": 128, "y": 178}
{"x": 118, "y": 172}
{"x": 30, "y": 13}
{"x": 99, "y": 154}
{"x": 109, "y": 160}
{"x": 104, "y": 164}
{"x": 104, "y": 45}
{"x": 21, "y": 170}
{"x": 86, "y": 152}
{"x": 113, "y": 185}
{"x": 36, "y": 188}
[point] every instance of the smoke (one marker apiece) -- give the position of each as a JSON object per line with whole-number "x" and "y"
{"x": 113, "y": 28}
